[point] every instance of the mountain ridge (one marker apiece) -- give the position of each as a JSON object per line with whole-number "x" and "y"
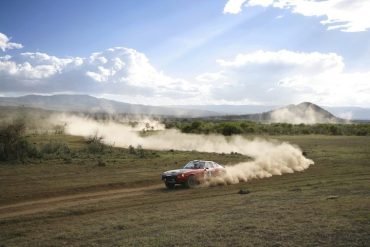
{"x": 305, "y": 112}
{"x": 346, "y": 112}
{"x": 91, "y": 104}
{"x": 87, "y": 103}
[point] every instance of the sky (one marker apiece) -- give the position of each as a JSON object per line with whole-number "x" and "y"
{"x": 189, "y": 52}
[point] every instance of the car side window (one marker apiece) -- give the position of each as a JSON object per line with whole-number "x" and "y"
{"x": 201, "y": 165}
{"x": 209, "y": 165}
{"x": 189, "y": 165}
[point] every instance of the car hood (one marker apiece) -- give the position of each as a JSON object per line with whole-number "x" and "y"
{"x": 176, "y": 172}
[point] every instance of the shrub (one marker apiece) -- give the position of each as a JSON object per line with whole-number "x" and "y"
{"x": 67, "y": 159}
{"x": 131, "y": 150}
{"x": 334, "y": 130}
{"x": 362, "y": 132}
{"x": 140, "y": 151}
{"x": 14, "y": 145}
{"x": 33, "y": 151}
{"x": 95, "y": 144}
{"x": 55, "y": 147}
{"x": 101, "y": 163}
{"x": 194, "y": 127}
{"x": 59, "y": 129}
{"x": 231, "y": 129}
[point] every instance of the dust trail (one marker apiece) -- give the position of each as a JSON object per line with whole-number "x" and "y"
{"x": 270, "y": 157}
{"x": 292, "y": 116}
{"x": 306, "y": 113}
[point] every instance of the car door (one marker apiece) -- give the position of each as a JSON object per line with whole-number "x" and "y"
{"x": 217, "y": 169}
{"x": 209, "y": 169}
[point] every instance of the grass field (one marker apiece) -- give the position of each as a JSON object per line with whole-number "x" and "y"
{"x": 123, "y": 202}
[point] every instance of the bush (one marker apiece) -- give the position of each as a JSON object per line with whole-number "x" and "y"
{"x": 140, "y": 151}
{"x": 95, "y": 144}
{"x": 55, "y": 147}
{"x": 231, "y": 129}
{"x": 194, "y": 127}
{"x": 334, "y": 130}
{"x": 131, "y": 150}
{"x": 33, "y": 151}
{"x": 101, "y": 163}
{"x": 362, "y": 132}
{"x": 14, "y": 145}
{"x": 67, "y": 159}
{"x": 59, "y": 129}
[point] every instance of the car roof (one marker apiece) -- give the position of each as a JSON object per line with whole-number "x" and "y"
{"x": 204, "y": 161}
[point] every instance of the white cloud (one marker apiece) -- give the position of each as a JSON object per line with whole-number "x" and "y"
{"x": 5, "y": 58}
{"x": 284, "y": 77}
{"x": 127, "y": 66}
{"x": 209, "y": 77}
{"x": 34, "y": 66}
{"x": 264, "y": 77}
{"x": 304, "y": 61}
{"x": 233, "y": 6}
{"x": 263, "y": 3}
{"x": 5, "y": 43}
{"x": 344, "y": 15}
{"x": 340, "y": 89}
{"x": 118, "y": 70}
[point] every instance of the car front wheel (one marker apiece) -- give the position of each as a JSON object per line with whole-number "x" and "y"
{"x": 191, "y": 182}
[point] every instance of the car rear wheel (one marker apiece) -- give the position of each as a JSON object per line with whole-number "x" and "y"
{"x": 170, "y": 186}
{"x": 191, "y": 182}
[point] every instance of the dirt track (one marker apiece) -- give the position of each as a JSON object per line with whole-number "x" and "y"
{"x": 49, "y": 204}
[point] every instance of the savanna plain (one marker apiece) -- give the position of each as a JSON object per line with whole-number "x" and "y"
{"x": 114, "y": 197}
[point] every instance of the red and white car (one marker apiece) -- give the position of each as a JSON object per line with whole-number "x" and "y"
{"x": 192, "y": 174}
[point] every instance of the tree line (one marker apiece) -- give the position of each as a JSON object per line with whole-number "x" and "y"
{"x": 228, "y": 128}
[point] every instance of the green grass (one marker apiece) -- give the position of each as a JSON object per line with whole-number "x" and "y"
{"x": 289, "y": 210}
{"x": 51, "y": 175}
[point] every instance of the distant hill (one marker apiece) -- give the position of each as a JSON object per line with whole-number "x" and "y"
{"x": 232, "y": 109}
{"x": 346, "y": 112}
{"x": 305, "y": 112}
{"x": 302, "y": 113}
{"x": 89, "y": 104}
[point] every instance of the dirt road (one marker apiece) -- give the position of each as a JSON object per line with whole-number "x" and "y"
{"x": 57, "y": 202}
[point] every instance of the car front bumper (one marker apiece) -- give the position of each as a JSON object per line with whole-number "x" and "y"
{"x": 169, "y": 179}
{"x": 173, "y": 179}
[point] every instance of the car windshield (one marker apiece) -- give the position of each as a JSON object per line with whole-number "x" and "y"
{"x": 194, "y": 165}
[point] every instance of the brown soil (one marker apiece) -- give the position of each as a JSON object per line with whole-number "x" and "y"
{"x": 63, "y": 201}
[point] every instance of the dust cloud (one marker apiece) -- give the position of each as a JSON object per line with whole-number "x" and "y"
{"x": 306, "y": 113}
{"x": 310, "y": 116}
{"x": 269, "y": 157}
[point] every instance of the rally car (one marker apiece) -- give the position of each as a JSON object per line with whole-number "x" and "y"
{"x": 194, "y": 173}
